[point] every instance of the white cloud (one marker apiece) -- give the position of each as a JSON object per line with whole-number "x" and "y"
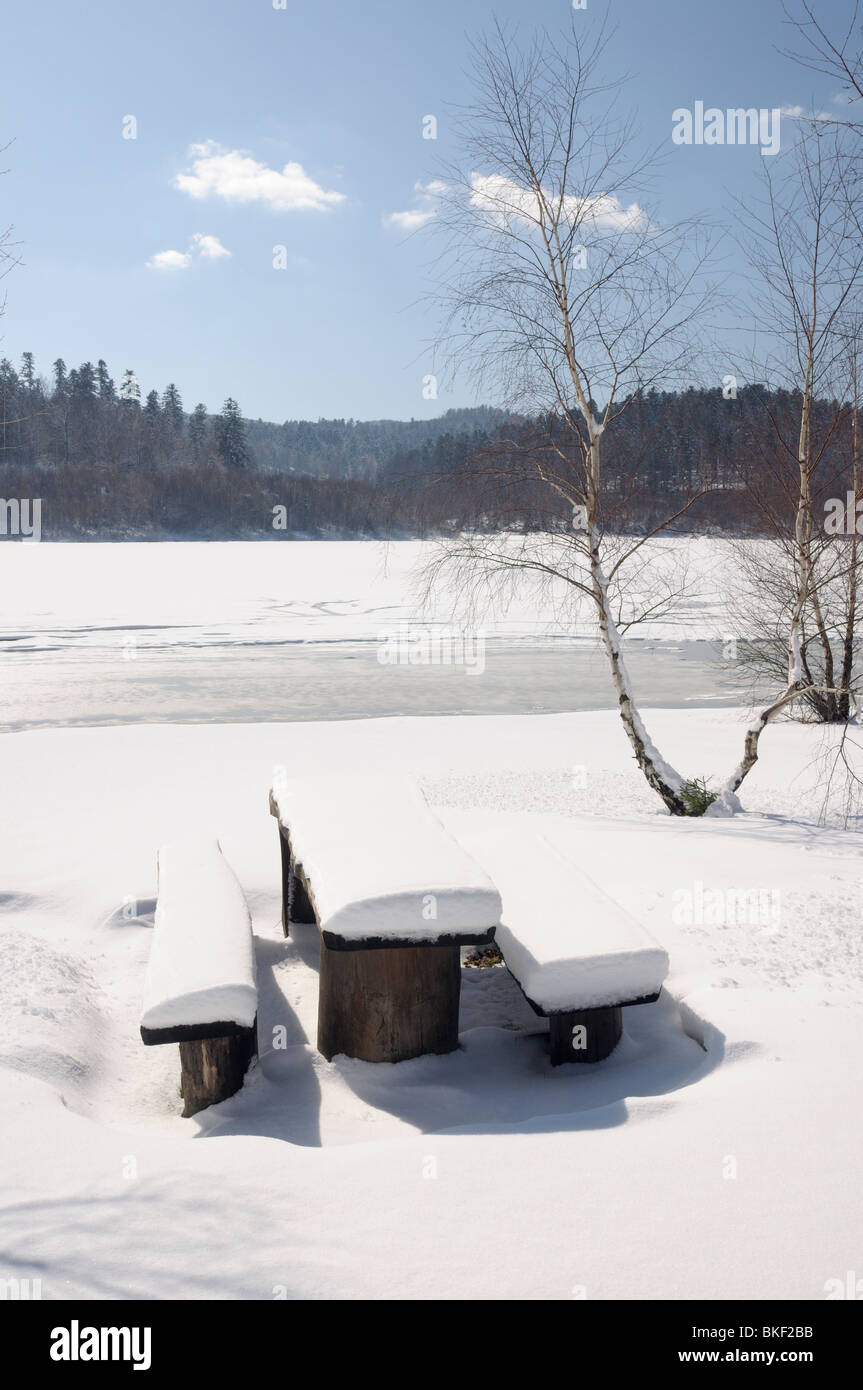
{"x": 238, "y": 178}
{"x": 799, "y": 113}
{"x": 413, "y": 218}
{"x": 169, "y": 260}
{"x": 409, "y": 221}
{"x": 504, "y": 198}
{"x": 203, "y": 244}
{"x": 431, "y": 190}
{"x": 209, "y": 246}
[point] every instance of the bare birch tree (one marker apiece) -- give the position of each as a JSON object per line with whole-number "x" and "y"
{"x": 808, "y": 256}
{"x": 765, "y": 579}
{"x": 565, "y": 293}
{"x": 8, "y": 252}
{"x": 831, "y": 46}
{"x": 9, "y": 259}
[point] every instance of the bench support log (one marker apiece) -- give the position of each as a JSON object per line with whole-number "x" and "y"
{"x": 387, "y": 1004}
{"x": 586, "y": 1036}
{"x": 296, "y": 905}
{"x": 214, "y": 1068}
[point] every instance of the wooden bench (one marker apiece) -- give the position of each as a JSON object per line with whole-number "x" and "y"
{"x": 201, "y": 990}
{"x": 394, "y": 896}
{"x": 577, "y": 956}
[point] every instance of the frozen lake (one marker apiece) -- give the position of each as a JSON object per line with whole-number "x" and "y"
{"x": 309, "y": 681}
{"x": 186, "y": 632}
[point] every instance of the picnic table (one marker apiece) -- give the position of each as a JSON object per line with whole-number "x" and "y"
{"x": 394, "y": 897}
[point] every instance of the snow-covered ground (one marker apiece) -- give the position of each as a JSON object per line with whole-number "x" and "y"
{"x": 714, "y": 1155}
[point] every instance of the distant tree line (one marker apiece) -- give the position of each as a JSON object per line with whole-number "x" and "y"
{"x": 726, "y": 465}
{"x": 80, "y": 417}
{"x": 108, "y": 463}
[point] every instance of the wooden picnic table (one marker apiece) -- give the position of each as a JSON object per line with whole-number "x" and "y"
{"x": 394, "y": 898}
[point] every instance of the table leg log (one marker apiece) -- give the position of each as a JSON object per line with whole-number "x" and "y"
{"x": 390, "y": 1003}
{"x": 301, "y": 903}
{"x": 587, "y": 1036}
{"x": 287, "y": 875}
{"x": 296, "y": 904}
{"x": 211, "y": 1069}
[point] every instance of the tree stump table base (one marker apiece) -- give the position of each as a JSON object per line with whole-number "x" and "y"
{"x": 387, "y": 1004}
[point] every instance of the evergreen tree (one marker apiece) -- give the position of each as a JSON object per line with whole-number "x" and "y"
{"x": 130, "y": 391}
{"x": 153, "y": 445}
{"x": 231, "y": 435}
{"x": 84, "y": 384}
{"x": 28, "y": 371}
{"x": 104, "y": 383}
{"x": 60, "y": 384}
{"x": 173, "y": 407}
{"x": 8, "y": 411}
{"x": 198, "y": 428}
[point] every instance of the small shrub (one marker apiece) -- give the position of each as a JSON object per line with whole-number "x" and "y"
{"x": 696, "y": 796}
{"x": 483, "y": 958}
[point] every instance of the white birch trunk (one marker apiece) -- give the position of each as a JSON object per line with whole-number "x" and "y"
{"x": 660, "y": 775}
{"x": 726, "y": 798}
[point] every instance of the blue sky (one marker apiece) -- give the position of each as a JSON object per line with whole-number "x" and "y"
{"x": 339, "y": 89}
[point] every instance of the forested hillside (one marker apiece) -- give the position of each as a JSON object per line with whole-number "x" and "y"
{"x": 109, "y": 462}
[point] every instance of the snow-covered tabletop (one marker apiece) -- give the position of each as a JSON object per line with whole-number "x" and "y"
{"x": 379, "y": 864}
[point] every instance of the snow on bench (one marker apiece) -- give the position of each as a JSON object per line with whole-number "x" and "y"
{"x": 394, "y": 896}
{"x": 575, "y": 953}
{"x": 201, "y": 990}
